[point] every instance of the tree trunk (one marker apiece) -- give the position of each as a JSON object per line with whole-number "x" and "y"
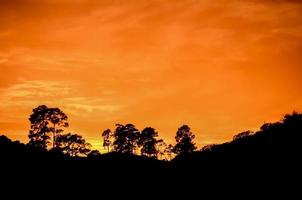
{"x": 54, "y": 137}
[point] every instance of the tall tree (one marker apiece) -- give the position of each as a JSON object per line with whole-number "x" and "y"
{"x": 184, "y": 141}
{"x": 147, "y": 141}
{"x": 58, "y": 120}
{"x": 72, "y": 145}
{"x": 126, "y": 138}
{"x": 107, "y": 143}
{"x": 44, "y": 121}
{"x": 38, "y": 134}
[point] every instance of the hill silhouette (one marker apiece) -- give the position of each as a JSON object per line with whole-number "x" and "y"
{"x": 268, "y": 156}
{"x": 274, "y": 144}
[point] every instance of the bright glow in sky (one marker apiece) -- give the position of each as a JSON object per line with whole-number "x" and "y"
{"x": 221, "y": 66}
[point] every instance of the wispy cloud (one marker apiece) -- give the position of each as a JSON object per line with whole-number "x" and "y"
{"x": 33, "y": 91}
{"x": 91, "y": 104}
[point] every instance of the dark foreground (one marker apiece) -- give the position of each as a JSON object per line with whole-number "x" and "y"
{"x": 268, "y": 158}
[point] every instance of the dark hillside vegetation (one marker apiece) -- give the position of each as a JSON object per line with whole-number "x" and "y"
{"x": 267, "y": 157}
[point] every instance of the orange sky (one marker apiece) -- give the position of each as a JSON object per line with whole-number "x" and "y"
{"x": 221, "y": 66}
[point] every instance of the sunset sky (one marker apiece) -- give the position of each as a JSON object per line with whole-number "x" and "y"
{"x": 220, "y": 66}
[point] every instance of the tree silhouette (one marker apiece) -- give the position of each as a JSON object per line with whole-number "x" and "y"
{"x": 273, "y": 151}
{"x": 43, "y": 121}
{"x": 4, "y": 140}
{"x": 147, "y": 142}
{"x": 93, "y": 154}
{"x": 72, "y": 145}
{"x": 291, "y": 120}
{"x": 161, "y": 146}
{"x": 169, "y": 151}
{"x": 242, "y": 135}
{"x": 126, "y": 138}
{"x": 107, "y": 143}
{"x": 208, "y": 148}
{"x": 184, "y": 141}
{"x": 39, "y": 127}
{"x": 58, "y": 121}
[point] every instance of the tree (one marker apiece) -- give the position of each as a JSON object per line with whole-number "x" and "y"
{"x": 169, "y": 151}
{"x": 39, "y": 127}
{"x": 242, "y": 135}
{"x": 208, "y": 148}
{"x": 161, "y": 146}
{"x": 58, "y": 121}
{"x": 126, "y": 138}
{"x": 72, "y": 145}
{"x": 44, "y": 121}
{"x": 94, "y": 154}
{"x": 107, "y": 143}
{"x": 148, "y": 141}
{"x": 293, "y": 119}
{"x": 184, "y": 141}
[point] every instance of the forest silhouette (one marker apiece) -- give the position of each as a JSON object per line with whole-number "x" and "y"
{"x": 271, "y": 153}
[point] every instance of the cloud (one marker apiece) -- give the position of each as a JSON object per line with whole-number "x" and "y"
{"x": 90, "y": 104}
{"x": 30, "y": 93}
